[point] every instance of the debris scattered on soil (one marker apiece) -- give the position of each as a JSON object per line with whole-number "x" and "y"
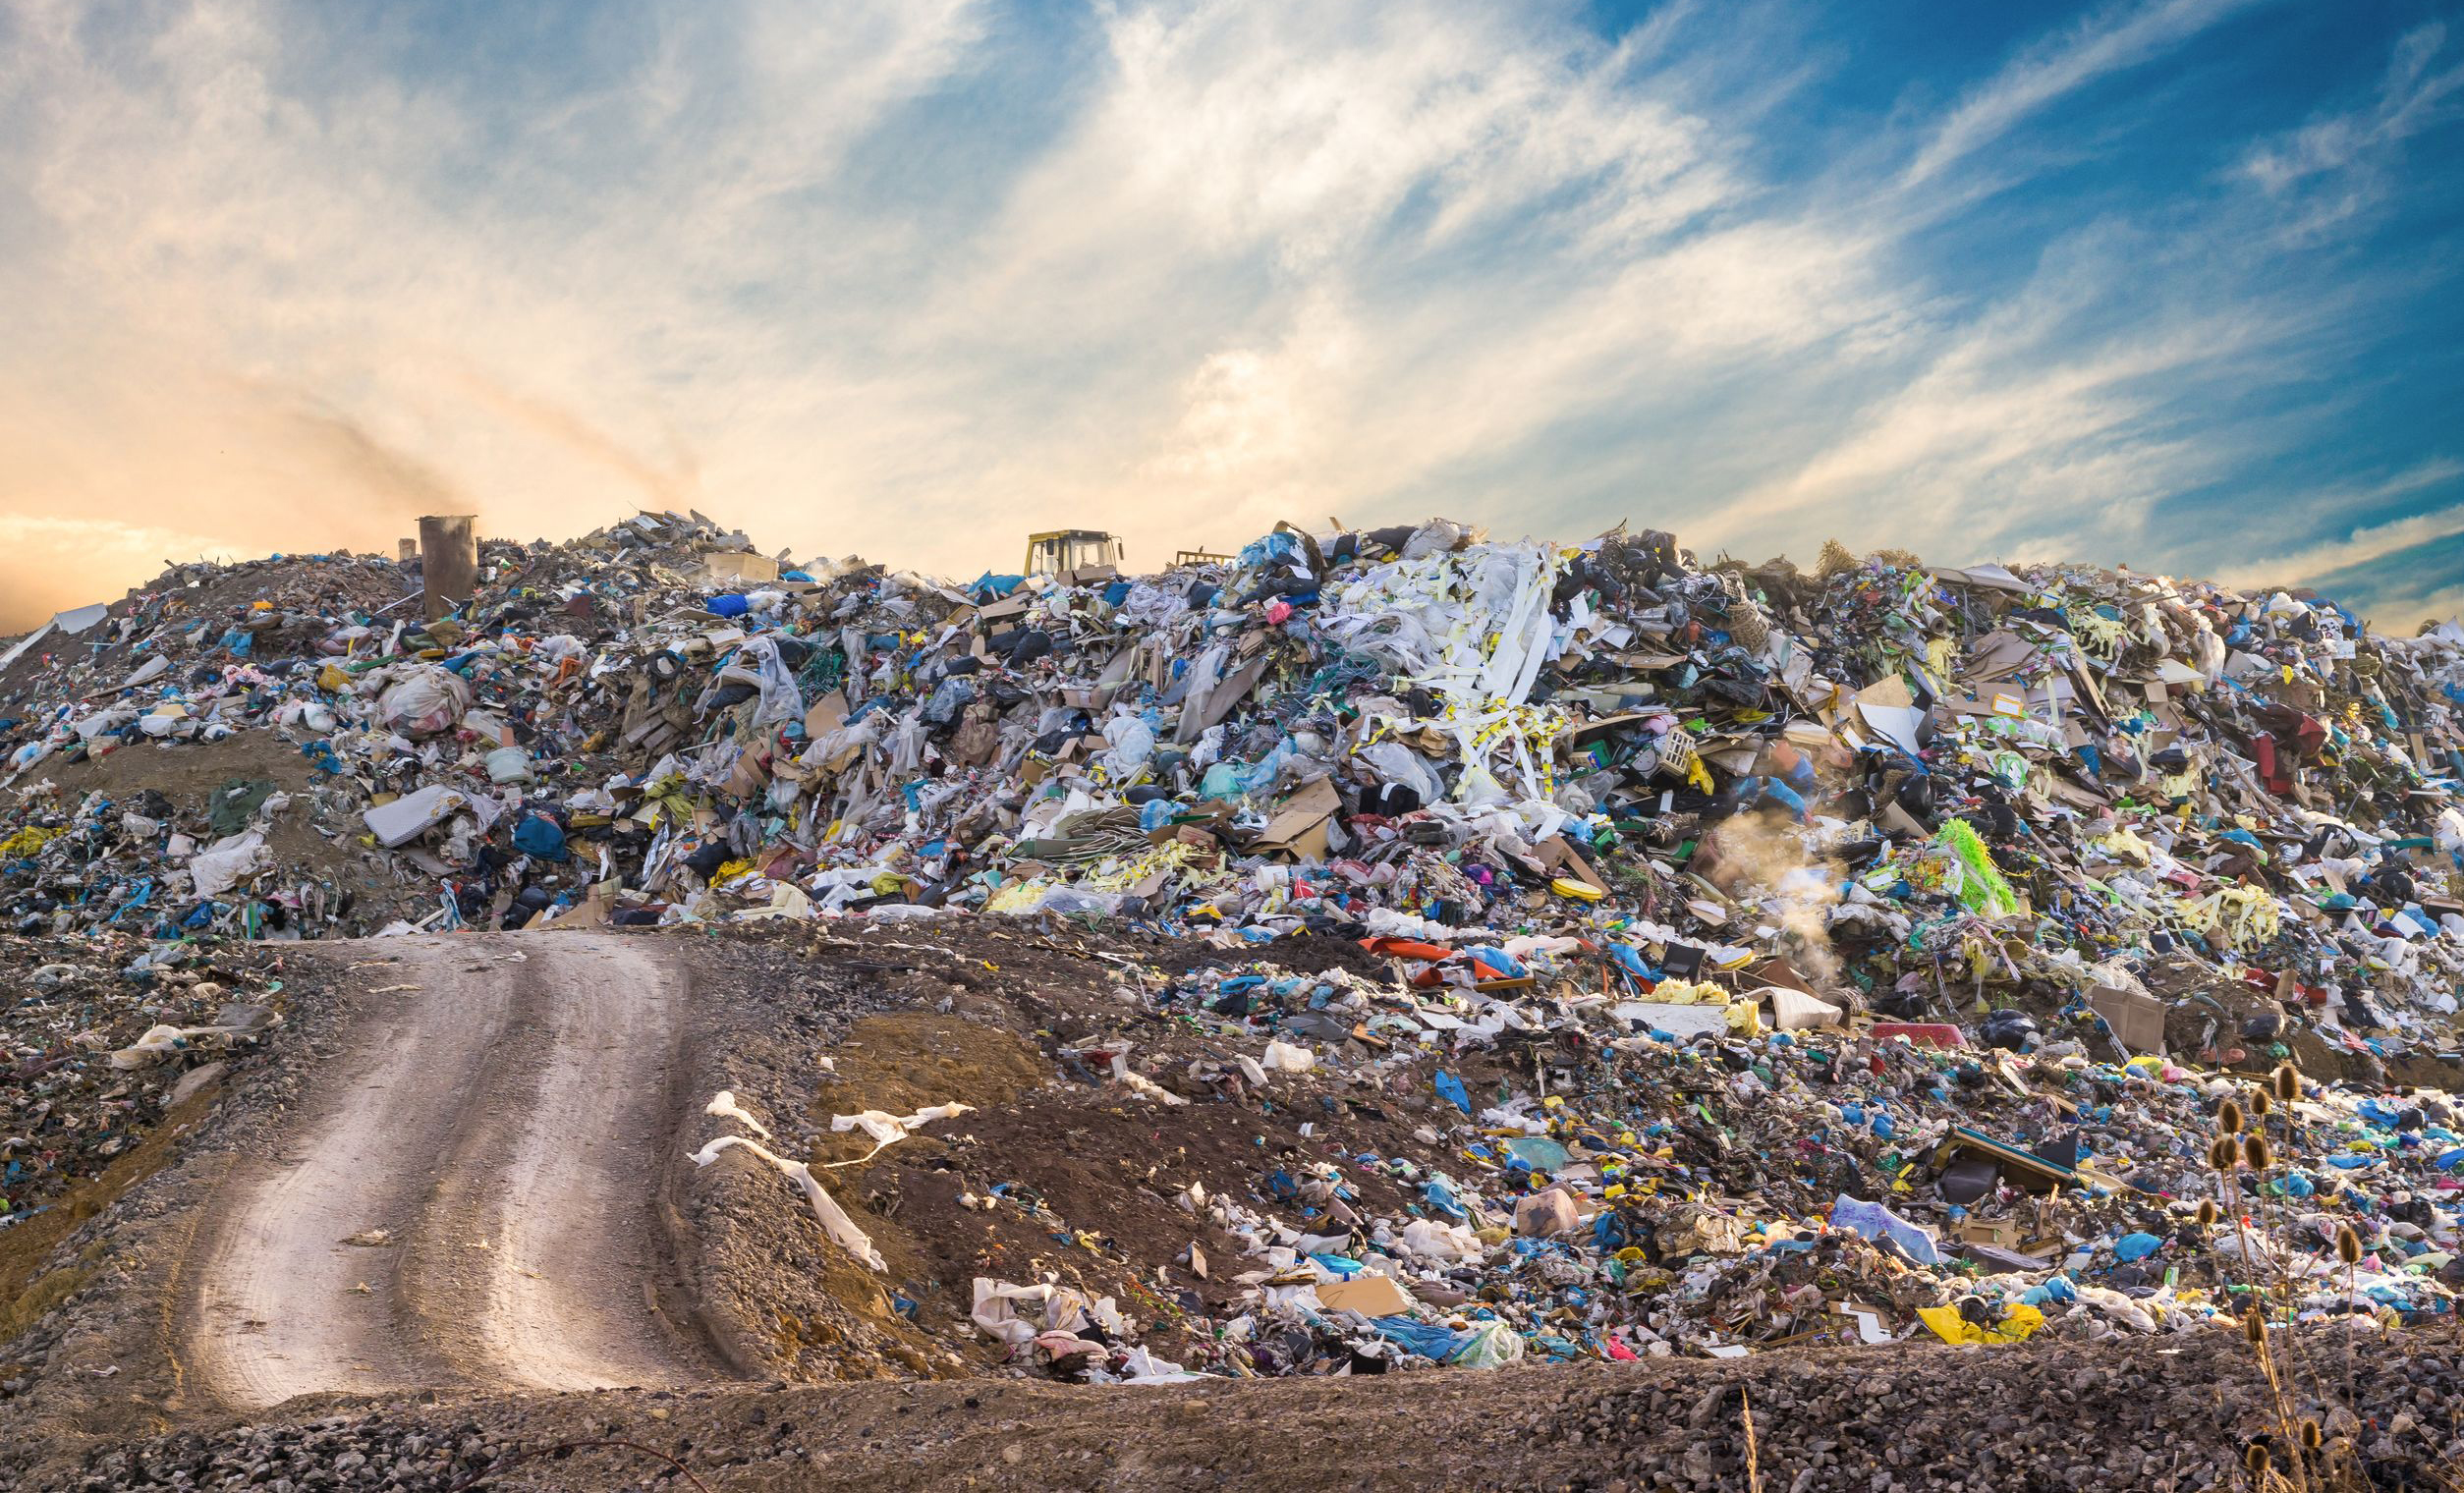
{"x": 100, "y": 1037}
{"x": 1389, "y": 951}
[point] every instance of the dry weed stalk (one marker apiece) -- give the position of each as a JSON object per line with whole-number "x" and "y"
{"x": 1753, "y": 1455}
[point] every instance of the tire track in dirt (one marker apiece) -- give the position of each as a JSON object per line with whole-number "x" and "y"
{"x": 504, "y": 1121}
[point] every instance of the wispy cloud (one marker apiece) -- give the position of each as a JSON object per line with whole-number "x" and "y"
{"x": 2368, "y": 543}
{"x": 2044, "y": 417}
{"x": 2341, "y": 166}
{"x": 2403, "y": 610}
{"x": 2417, "y": 95}
{"x": 921, "y": 277}
{"x": 2110, "y": 42}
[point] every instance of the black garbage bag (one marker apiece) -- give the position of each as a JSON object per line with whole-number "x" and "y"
{"x": 2010, "y": 1030}
{"x": 1900, "y": 1004}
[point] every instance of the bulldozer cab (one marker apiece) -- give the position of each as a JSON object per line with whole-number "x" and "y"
{"x": 1063, "y": 550}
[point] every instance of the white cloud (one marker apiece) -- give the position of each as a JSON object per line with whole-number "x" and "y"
{"x": 2039, "y": 425}
{"x": 2341, "y": 167}
{"x": 2364, "y": 545}
{"x": 2110, "y": 42}
{"x": 2402, "y": 612}
{"x": 2415, "y": 95}
{"x": 1242, "y": 262}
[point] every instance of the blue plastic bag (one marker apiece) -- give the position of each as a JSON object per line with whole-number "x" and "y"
{"x": 540, "y": 838}
{"x": 2136, "y": 1247}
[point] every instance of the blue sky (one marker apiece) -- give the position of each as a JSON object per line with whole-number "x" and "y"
{"x": 2169, "y": 282}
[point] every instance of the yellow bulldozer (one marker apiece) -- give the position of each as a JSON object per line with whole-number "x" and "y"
{"x": 1065, "y": 551}
{"x": 1091, "y": 554}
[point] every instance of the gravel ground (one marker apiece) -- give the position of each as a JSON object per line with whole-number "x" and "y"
{"x": 2138, "y": 1415}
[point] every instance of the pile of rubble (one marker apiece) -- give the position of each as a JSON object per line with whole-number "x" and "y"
{"x": 101, "y": 1037}
{"x": 1773, "y": 956}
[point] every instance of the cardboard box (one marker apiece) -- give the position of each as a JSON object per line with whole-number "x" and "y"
{"x": 2002, "y": 1233}
{"x": 733, "y": 566}
{"x": 1299, "y": 827}
{"x": 1016, "y": 604}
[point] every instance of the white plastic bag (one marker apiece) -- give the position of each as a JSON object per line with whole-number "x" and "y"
{"x": 423, "y": 702}
{"x": 885, "y": 1127}
{"x": 220, "y": 865}
{"x": 414, "y": 814}
{"x": 1284, "y": 1057}
{"x": 509, "y": 764}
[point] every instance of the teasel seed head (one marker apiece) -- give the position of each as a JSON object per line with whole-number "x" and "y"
{"x": 2348, "y": 1246}
{"x": 2288, "y": 1083}
{"x": 2254, "y": 1152}
{"x": 2228, "y": 1119}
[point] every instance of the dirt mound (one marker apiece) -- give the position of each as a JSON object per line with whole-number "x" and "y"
{"x": 1302, "y": 953}
{"x": 317, "y": 838}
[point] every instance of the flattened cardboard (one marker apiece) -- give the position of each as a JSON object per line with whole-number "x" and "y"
{"x": 2001, "y": 702}
{"x": 1888, "y": 691}
{"x": 751, "y": 772}
{"x": 2002, "y": 1233}
{"x": 1369, "y": 1293}
{"x": 828, "y": 712}
{"x": 2137, "y": 1019}
{"x": 1299, "y": 826}
{"x": 1998, "y": 657}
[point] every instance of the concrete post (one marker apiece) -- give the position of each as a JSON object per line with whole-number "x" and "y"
{"x": 448, "y": 561}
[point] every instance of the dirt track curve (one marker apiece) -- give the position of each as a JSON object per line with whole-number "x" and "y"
{"x": 501, "y": 1110}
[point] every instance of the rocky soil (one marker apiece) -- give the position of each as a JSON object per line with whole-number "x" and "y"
{"x": 2159, "y": 1416}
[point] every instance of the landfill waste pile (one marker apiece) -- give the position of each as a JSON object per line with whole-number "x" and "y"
{"x": 1702, "y": 958}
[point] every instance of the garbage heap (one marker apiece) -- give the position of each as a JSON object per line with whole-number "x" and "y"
{"x": 103, "y": 1038}
{"x": 1827, "y": 858}
{"x": 1595, "y": 1177}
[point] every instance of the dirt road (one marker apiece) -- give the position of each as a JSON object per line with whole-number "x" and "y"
{"x": 471, "y": 1201}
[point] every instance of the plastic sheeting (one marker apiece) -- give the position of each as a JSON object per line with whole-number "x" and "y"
{"x": 833, "y": 1218}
